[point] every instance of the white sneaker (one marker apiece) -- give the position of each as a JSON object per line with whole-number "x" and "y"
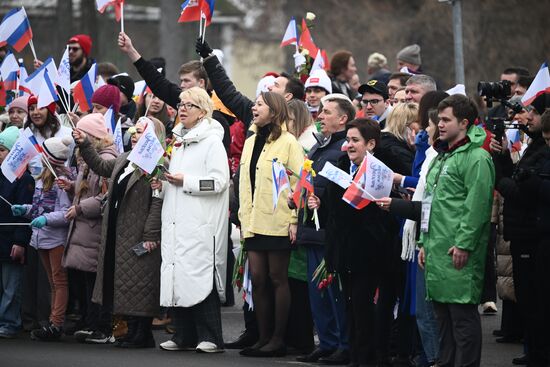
{"x": 169, "y": 345}
{"x": 208, "y": 347}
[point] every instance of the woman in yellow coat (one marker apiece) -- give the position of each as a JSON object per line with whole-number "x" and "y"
{"x": 268, "y": 233}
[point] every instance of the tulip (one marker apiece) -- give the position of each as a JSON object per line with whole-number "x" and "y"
{"x": 310, "y": 16}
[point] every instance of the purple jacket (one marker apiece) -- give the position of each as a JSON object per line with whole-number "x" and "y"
{"x": 53, "y": 205}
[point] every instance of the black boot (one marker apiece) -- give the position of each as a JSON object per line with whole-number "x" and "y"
{"x": 144, "y": 335}
{"x": 132, "y": 322}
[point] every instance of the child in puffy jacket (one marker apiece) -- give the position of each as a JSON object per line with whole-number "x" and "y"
{"x": 49, "y": 231}
{"x": 13, "y": 240}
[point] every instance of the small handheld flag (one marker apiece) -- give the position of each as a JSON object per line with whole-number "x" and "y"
{"x": 306, "y": 41}
{"x": 15, "y": 163}
{"x": 9, "y": 70}
{"x": 84, "y": 89}
{"x": 191, "y": 11}
{"x": 15, "y": 29}
{"x": 148, "y": 150}
{"x": 47, "y": 93}
{"x": 280, "y": 181}
{"x": 291, "y": 34}
{"x": 540, "y": 85}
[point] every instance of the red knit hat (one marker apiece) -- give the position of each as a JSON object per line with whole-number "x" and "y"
{"x": 107, "y": 95}
{"x": 33, "y": 100}
{"x": 84, "y": 41}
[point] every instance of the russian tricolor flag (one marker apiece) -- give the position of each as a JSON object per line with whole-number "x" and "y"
{"x": 191, "y": 10}
{"x": 540, "y": 85}
{"x": 117, "y": 4}
{"x": 15, "y": 29}
{"x": 84, "y": 89}
{"x": 9, "y": 70}
{"x": 48, "y": 93}
{"x": 291, "y": 34}
{"x": 280, "y": 181}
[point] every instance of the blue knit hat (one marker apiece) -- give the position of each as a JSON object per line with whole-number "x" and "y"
{"x": 9, "y": 136}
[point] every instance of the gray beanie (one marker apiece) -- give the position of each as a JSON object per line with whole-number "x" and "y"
{"x": 410, "y": 54}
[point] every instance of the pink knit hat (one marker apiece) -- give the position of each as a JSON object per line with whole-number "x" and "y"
{"x": 94, "y": 125}
{"x": 107, "y": 96}
{"x": 20, "y": 102}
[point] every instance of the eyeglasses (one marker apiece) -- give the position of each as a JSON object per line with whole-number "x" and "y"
{"x": 186, "y": 106}
{"x": 74, "y": 49}
{"x": 373, "y": 102}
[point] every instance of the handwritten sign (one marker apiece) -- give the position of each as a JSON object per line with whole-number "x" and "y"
{"x": 336, "y": 175}
{"x": 148, "y": 149}
{"x": 17, "y": 159}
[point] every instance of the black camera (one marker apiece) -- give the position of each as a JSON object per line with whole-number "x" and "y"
{"x": 494, "y": 90}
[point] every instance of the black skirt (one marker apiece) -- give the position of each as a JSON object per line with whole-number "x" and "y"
{"x": 261, "y": 242}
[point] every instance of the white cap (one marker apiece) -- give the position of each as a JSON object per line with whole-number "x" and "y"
{"x": 335, "y": 96}
{"x": 319, "y": 78}
{"x": 264, "y": 83}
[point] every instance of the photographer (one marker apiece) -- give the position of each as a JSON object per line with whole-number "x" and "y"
{"x": 520, "y": 216}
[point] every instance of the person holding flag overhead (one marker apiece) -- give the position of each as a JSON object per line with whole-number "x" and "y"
{"x": 356, "y": 237}
{"x": 13, "y": 240}
{"x": 131, "y": 220}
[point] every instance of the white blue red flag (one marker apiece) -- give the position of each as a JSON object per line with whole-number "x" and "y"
{"x": 9, "y": 71}
{"x": 540, "y": 85}
{"x": 47, "y": 94}
{"x": 15, "y": 29}
{"x": 17, "y": 159}
{"x": 104, "y": 4}
{"x": 84, "y": 89}
{"x": 34, "y": 82}
{"x": 280, "y": 181}
{"x": 291, "y": 34}
{"x": 373, "y": 180}
{"x": 23, "y": 89}
{"x": 192, "y": 10}
{"x": 64, "y": 72}
{"x": 109, "y": 117}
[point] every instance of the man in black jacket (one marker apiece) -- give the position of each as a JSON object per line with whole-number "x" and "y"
{"x": 328, "y": 310}
{"x": 285, "y": 85}
{"x": 520, "y": 220}
{"x": 192, "y": 74}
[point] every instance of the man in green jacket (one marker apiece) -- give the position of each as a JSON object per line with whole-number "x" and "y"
{"x": 456, "y": 212}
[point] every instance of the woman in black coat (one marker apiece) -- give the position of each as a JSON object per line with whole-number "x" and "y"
{"x": 357, "y": 240}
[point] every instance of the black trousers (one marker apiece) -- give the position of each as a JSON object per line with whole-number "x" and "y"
{"x": 36, "y": 291}
{"x": 528, "y": 263}
{"x": 459, "y": 334}
{"x": 199, "y": 323}
{"x": 299, "y": 330}
{"x": 402, "y": 331}
{"x": 97, "y": 317}
{"x": 489, "y": 293}
{"x": 359, "y": 289}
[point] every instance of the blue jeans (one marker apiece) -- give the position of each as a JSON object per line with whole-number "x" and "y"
{"x": 328, "y": 308}
{"x": 425, "y": 320}
{"x": 11, "y": 276}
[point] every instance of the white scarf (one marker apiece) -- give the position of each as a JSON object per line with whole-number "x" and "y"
{"x": 409, "y": 229}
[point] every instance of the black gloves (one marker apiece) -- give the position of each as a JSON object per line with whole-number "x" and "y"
{"x": 203, "y": 48}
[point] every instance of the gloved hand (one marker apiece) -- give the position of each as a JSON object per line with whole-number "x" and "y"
{"x": 203, "y": 48}
{"x": 39, "y": 222}
{"x": 18, "y": 210}
{"x": 299, "y": 61}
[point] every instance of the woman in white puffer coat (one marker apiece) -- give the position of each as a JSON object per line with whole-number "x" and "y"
{"x": 194, "y": 227}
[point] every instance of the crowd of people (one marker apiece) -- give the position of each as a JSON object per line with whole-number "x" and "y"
{"x": 92, "y": 246}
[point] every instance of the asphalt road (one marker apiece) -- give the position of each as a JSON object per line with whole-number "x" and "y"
{"x": 23, "y": 352}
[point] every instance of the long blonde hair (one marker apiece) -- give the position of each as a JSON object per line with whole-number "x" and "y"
{"x": 402, "y": 115}
{"x": 47, "y": 177}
